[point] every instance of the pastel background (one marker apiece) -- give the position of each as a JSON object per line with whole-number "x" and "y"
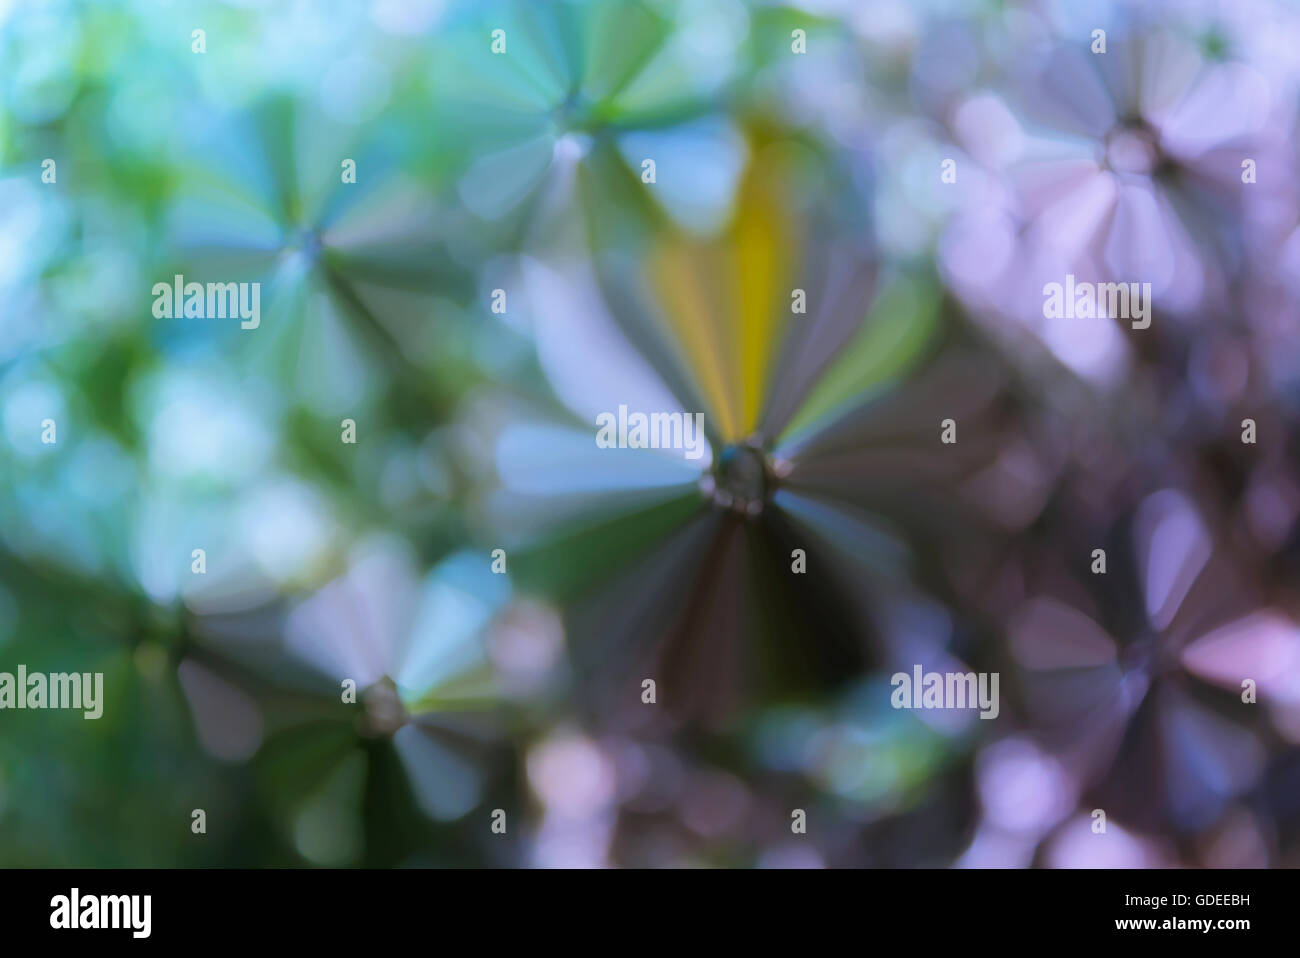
{"x": 774, "y": 170}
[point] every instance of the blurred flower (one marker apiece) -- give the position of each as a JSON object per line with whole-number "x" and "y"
{"x": 376, "y": 656}
{"x": 1147, "y": 697}
{"x": 810, "y": 439}
{"x": 1125, "y": 166}
{"x": 347, "y": 269}
{"x": 526, "y": 90}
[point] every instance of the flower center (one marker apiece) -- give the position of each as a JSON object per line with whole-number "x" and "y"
{"x": 742, "y": 478}
{"x": 305, "y": 245}
{"x": 384, "y": 711}
{"x": 1149, "y": 656}
{"x": 1132, "y": 150}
